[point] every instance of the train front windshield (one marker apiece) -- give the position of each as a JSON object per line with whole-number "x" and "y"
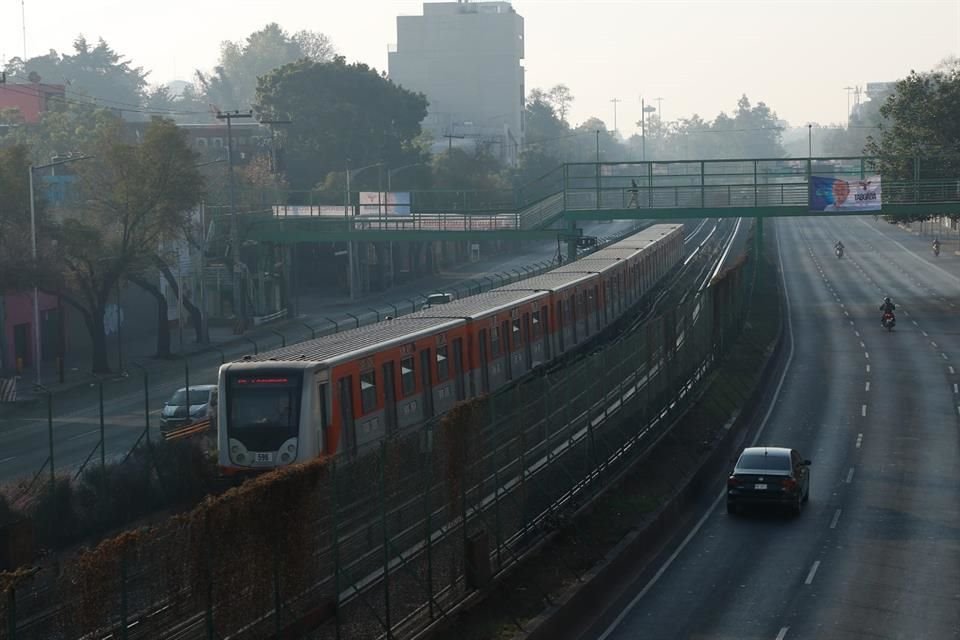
{"x": 263, "y": 410}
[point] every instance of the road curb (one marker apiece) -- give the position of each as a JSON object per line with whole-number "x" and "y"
{"x": 601, "y": 589}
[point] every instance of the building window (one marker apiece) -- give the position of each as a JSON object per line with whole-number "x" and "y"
{"x": 368, "y": 391}
{"x": 407, "y": 379}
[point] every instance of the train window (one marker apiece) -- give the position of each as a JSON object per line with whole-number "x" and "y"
{"x": 517, "y": 337}
{"x": 494, "y": 342}
{"x": 368, "y": 391}
{"x": 443, "y": 364}
{"x": 408, "y": 379}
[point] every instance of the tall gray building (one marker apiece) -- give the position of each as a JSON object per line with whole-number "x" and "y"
{"x": 466, "y": 58}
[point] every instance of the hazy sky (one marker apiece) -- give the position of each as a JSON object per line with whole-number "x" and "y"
{"x": 698, "y": 55}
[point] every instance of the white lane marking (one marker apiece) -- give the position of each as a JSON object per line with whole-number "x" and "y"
{"x": 862, "y": 345}
{"x": 863, "y": 410}
{"x": 846, "y": 313}
{"x": 836, "y": 518}
{"x": 850, "y": 475}
{"x": 925, "y": 334}
{"x": 8, "y": 459}
{"x": 944, "y": 356}
{"x": 952, "y": 372}
{"x": 783, "y": 633}
{"x": 859, "y": 440}
{"x": 866, "y": 354}
{"x": 955, "y": 388}
{"x": 763, "y": 425}
{"x": 867, "y": 386}
{"x": 813, "y": 572}
{"x": 868, "y": 368}
{"x": 856, "y": 333}
{"x": 915, "y": 323}
{"x": 81, "y": 435}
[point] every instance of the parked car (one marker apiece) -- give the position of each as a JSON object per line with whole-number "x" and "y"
{"x": 769, "y": 476}
{"x": 177, "y": 412}
{"x": 438, "y": 298}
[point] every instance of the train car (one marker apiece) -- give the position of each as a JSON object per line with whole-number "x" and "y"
{"x": 344, "y": 392}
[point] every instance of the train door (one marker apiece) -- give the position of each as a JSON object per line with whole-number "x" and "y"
{"x": 458, "y": 367}
{"x": 507, "y": 348}
{"x": 558, "y": 320}
{"x": 389, "y": 397}
{"x": 426, "y": 379}
{"x": 323, "y": 426}
{"x": 527, "y": 341}
{"x": 346, "y": 414}
{"x": 545, "y": 332}
{"x": 573, "y": 316}
{"x": 484, "y": 363}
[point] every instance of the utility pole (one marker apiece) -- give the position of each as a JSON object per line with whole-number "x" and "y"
{"x": 659, "y": 108}
{"x": 239, "y": 294}
{"x": 643, "y": 131}
{"x": 615, "y": 101}
{"x": 848, "y": 90}
{"x": 273, "y": 148}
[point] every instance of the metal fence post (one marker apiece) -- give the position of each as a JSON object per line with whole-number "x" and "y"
{"x": 103, "y": 442}
{"x": 386, "y": 537}
{"x": 12, "y": 613}
{"x": 336, "y": 545}
{"x": 208, "y": 570}
{"x": 53, "y": 475}
{"x": 124, "y": 633}
{"x": 276, "y": 586}
{"x": 427, "y": 539}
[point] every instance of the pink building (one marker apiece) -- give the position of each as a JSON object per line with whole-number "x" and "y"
{"x": 16, "y": 314}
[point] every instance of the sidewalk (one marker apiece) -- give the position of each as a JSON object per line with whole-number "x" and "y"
{"x": 318, "y": 316}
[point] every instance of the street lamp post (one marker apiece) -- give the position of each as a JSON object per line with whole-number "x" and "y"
{"x": 33, "y": 243}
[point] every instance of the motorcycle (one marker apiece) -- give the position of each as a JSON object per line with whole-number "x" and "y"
{"x": 936, "y": 250}
{"x": 839, "y": 252}
{"x": 888, "y": 321}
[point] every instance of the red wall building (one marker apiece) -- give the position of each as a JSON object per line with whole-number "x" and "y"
{"x": 31, "y": 99}
{"x": 17, "y": 316}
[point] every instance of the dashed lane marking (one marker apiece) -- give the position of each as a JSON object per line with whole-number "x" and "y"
{"x": 783, "y": 633}
{"x": 836, "y": 517}
{"x": 859, "y": 440}
{"x": 813, "y": 572}
{"x": 850, "y": 475}
{"x": 863, "y": 410}
{"x": 866, "y": 387}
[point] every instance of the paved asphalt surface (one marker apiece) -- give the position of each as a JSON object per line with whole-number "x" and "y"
{"x": 876, "y": 552}
{"x": 23, "y": 435}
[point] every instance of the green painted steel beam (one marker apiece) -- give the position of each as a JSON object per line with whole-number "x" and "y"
{"x": 274, "y": 232}
{"x": 756, "y": 212}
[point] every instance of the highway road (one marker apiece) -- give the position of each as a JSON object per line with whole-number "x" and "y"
{"x": 876, "y": 553}
{"x": 23, "y": 436}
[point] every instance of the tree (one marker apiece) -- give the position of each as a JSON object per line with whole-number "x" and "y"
{"x": 97, "y": 72}
{"x": 16, "y": 262}
{"x": 920, "y": 120}
{"x": 560, "y": 99}
{"x": 233, "y": 83}
{"x": 133, "y": 196}
{"x": 343, "y": 114}
{"x": 65, "y": 128}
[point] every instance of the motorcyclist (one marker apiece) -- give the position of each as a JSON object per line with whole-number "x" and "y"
{"x": 886, "y": 307}
{"x": 936, "y": 245}
{"x": 838, "y": 247}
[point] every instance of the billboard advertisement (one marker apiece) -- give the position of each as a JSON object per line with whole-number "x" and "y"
{"x": 828, "y": 193}
{"x": 392, "y": 203}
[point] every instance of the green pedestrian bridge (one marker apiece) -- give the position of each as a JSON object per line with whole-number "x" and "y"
{"x": 552, "y": 205}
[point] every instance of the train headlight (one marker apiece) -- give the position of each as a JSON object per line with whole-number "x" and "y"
{"x": 291, "y": 448}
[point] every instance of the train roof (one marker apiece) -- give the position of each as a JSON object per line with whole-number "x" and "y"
{"x": 354, "y": 342}
{"x": 646, "y": 237}
{"x": 482, "y": 304}
{"x": 550, "y": 281}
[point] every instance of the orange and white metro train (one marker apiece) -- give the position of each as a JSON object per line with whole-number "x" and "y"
{"x": 346, "y": 391}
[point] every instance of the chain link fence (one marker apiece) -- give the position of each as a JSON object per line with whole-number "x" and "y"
{"x": 387, "y": 543}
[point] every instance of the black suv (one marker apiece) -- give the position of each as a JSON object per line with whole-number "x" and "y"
{"x": 769, "y": 475}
